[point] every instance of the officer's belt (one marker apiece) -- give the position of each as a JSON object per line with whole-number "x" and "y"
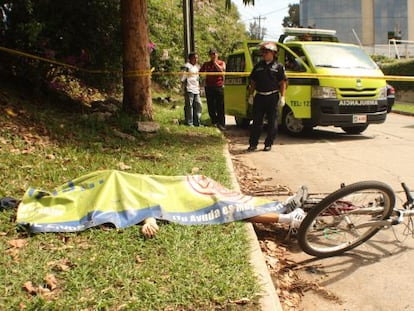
{"x": 267, "y": 93}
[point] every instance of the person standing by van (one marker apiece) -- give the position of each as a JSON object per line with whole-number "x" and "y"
{"x": 191, "y": 86}
{"x": 214, "y": 87}
{"x": 269, "y": 81}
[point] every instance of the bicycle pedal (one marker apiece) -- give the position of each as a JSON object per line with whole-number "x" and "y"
{"x": 292, "y": 234}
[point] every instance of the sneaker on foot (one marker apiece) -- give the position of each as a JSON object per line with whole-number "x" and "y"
{"x": 296, "y": 218}
{"x": 297, "y": 200}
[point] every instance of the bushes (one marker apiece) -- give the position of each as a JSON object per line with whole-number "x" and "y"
{"x": 80, "y": 33}
{"x": 400, "y": 68}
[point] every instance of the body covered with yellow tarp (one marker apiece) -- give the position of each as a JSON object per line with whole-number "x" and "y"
{"x": 125, "y": 199}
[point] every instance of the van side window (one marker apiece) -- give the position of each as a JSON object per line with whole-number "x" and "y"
{"x": 292, "y": 63}
{"x": 300, "y": 53}
{"x": 236, "y": 63}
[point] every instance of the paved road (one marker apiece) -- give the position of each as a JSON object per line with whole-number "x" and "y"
{"x": 378, "y": 274}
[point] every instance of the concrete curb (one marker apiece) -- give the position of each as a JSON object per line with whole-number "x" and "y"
{"x": 403, "y": 113}
{"x": 269, "y": 300}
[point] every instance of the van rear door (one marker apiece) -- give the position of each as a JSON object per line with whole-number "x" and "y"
{"x": 235, "y": 95}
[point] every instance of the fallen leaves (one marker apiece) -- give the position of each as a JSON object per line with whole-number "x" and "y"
{"x": 18, "y": 243}
{"x": 51, "y": 281}
{"x": 47, "y": 291}
{"x": 16, "y": 246}
{"x": 251, "y": 183}
{"x": 25, "y": 139}
{"x": 241, "y": 301}
{"x": 154, "y": 157}
{"x": 122, "y": 135}
{"x": 63, "y": 265}
{"x": 28, "y": 287}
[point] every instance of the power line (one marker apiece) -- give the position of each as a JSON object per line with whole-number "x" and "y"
{"x": 278, "y": 10}
{"x": 266, "y": 14}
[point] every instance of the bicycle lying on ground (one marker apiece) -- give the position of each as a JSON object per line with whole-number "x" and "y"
{"x": 350, "y": 216}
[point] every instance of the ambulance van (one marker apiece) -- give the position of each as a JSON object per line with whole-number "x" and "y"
{"x": 330, "y": 83}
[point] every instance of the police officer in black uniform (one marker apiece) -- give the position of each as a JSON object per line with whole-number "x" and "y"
{"x": 269, "y": 81}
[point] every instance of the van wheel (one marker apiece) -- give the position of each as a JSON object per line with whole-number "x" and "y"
{"x": 242, "y": 122}
{"x": 354, "y": 129}
{"x": 292, "y": 125}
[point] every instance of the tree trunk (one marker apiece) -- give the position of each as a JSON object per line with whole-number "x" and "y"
{"x": 136, "y": 62}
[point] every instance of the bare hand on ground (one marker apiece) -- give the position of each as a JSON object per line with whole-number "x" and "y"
{"x": 150, "y": 227}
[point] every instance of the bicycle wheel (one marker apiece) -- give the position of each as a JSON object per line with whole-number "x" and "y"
{"x": 346, "y": 218}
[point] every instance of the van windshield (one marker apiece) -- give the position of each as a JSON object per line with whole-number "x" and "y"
{"x": 339, "y": 56}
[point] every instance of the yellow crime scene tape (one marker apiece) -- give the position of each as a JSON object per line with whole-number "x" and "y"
{"x": 151, "y": 72}
{"x": 51, "y": 61}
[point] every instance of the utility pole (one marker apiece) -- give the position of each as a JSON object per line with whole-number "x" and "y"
{"x": 188, "y": 13}
{"x": 260, "y": 18}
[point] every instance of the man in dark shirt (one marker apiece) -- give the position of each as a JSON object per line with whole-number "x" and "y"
{"x": 214, "y": 87}
{"x": 269, "y": 81}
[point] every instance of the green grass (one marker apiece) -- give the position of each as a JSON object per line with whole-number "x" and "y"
{"x": 407, "y": 108}
{"x": 44, "y": 143}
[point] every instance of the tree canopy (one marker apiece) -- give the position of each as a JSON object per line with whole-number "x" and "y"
{"x": 292, "y": 20}
{"x": 87, "y": 34}
{"x": 87, "y": 37}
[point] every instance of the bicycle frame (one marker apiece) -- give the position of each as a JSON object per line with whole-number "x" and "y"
{"x": 401, "y": 213}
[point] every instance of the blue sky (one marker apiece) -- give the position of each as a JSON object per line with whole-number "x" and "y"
{"x": 271, "y": 13}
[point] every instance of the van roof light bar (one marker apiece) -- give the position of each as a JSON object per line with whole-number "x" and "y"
{"x": 292, "y": 31}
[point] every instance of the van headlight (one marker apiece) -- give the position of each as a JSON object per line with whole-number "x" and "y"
{"x": 383, "y": 93}
{"x": 323, "y": 92}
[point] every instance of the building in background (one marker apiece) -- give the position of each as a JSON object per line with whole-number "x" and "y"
{"x": 370, "y": 23}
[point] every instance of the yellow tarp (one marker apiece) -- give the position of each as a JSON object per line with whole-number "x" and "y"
{"x": 124, "y": 199}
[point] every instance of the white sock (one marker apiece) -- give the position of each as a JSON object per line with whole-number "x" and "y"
{"x": 285, "y": 218}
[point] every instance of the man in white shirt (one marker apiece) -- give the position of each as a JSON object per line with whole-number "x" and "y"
{"x": 191, "y": 85}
